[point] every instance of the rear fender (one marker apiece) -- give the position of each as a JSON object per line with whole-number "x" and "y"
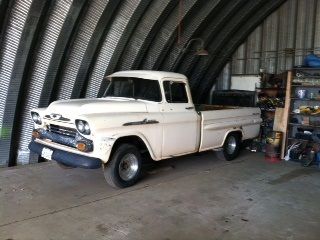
{"x": 234, "y": 130}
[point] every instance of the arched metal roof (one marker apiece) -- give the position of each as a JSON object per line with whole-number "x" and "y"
{"x": 60, "y": 49}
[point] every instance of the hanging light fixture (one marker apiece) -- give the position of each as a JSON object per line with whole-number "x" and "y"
{"x": 200, "y": 51}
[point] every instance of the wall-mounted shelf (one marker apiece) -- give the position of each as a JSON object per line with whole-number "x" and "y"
{"x": 304, "y": 125}
{"x": 305, "y": 99}
{"x": 270, "y": 88}
{"x": 305, "y": 115}
{"x": 306, "y": 86}
{"x": 302, "y": 140}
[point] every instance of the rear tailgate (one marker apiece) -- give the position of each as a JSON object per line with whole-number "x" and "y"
{"x": 216, "y": 124}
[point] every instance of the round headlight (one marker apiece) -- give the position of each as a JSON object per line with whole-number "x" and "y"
{"x": 36, "y": 118}
{"x": 80, "y": 126}
{"x": 83, "y": 127}
{"x": 86, "y": 128}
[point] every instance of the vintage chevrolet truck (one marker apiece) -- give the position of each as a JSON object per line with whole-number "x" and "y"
{"x": 141, "y": 113}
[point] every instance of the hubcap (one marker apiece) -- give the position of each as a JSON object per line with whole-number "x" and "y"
{"x": 128, "y": 166}
{"x": 231, "y": 145}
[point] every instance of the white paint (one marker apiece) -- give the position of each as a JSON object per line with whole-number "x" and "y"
{"x": 245, "y": 82}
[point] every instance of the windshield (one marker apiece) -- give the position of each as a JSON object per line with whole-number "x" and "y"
{"x": 136, "y": 88}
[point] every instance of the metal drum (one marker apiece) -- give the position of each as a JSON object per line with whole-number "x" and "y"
{"x": 273, "y": 147}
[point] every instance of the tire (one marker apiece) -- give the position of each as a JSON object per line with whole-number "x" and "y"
{"x": 231, "y": 147}
{"x": 124, "y": 168}
{"x": 63, "y": 166}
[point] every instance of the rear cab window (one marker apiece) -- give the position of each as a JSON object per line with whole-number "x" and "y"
{"x": 175, "y": 92}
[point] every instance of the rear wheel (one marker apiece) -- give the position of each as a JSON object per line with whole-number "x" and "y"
{"x": 231, "y": 147}
{"x": 124, "y": 168}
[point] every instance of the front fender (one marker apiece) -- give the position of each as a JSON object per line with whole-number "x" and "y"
{"x": 106, "y": 145}
{"x": 144, "y": 139}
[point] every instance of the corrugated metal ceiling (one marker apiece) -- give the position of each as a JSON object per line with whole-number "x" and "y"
{"x": 282, "y": 40}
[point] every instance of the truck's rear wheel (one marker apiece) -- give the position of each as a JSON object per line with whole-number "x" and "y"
{"x": 124, "y": 168}
{"x": 231, "y": 147}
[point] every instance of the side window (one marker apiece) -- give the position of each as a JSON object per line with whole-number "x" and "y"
{"x": 175, "y": 92}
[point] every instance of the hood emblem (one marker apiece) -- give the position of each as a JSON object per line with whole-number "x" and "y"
{"x": 55, "y": 116}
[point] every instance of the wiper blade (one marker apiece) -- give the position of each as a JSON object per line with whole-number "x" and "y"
{"x": 120, "y": 97}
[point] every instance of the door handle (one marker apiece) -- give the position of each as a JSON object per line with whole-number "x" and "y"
{"x": 189, "y": 108}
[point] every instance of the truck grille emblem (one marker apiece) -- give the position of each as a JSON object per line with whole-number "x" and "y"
{"x": 55, "y": 116}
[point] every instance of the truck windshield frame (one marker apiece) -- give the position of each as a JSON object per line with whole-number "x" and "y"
{"x": 136, "y": 88}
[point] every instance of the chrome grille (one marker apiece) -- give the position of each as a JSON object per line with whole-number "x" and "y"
{"x": 62, "y": 119}
{"x": 70, "y": 132}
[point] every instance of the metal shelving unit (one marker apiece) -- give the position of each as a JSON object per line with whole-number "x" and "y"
{"x": 304, "y": 127}
{"x": 270, "y": 95}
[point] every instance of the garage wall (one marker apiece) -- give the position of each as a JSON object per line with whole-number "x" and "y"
{"x": 282, "y": 40}
{"x": 61, "y": 49}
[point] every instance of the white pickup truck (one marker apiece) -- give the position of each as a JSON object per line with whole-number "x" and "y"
{"x": 141, "y": 113}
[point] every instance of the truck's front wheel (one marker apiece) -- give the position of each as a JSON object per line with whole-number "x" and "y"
{"x": 124, "y": 168}
{"x": 231, "y": 147}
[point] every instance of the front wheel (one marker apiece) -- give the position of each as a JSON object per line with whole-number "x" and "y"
{"x": 231, "y": 147}
{"x": 63, "y": 166}
{"x": 124, "y": 168}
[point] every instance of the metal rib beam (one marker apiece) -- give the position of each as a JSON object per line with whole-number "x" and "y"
{"x": 215, "y": 65}
{"x": 216, "y": 42}
{"x": 145, "y": 33}
{"x": 5, "y": 8}
{"x": 93, "y": 48}
{"x": 131, "y": 26}
{"x": 27, "y": 43}
{"x": 62, "y": 49}
{"x": 214, "y": 22}
{"x": 191, "y": 27}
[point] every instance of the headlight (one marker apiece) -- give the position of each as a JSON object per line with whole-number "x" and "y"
{"x": 36, "y": 118}
{"x": 83, "y": 127}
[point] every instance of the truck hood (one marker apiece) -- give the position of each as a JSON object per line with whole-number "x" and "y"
{"x": 99, "y": 105}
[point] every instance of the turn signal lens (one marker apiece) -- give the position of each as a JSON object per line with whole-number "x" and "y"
{"x": 35, "y": 134}
{"x": 81, "y": 146}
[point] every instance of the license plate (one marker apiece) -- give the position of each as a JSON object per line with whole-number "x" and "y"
{"x": 47, "y": 153}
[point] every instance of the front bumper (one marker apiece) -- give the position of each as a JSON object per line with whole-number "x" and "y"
{"x": 67, "y": 158}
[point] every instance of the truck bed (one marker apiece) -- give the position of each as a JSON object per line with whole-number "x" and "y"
{"x": 206, "y": 107}
{"x": 217, "y": 121}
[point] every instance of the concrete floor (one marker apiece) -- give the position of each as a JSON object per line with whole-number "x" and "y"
{"x": 194, "y": 197}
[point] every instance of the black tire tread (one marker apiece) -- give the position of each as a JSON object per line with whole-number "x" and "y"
{"x": 110, "y": 169}
{"x": 63, "y": 166}
{"x": 223, "y": 155}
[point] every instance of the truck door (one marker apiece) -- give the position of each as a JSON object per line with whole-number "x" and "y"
{"x": 180, "y": 127}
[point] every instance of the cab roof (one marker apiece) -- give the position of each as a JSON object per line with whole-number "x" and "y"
{"x": 148, "y": 74}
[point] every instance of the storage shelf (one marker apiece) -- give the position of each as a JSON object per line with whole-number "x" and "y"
{"x": 306, "y": 86}
{"x": 299, "y": 139}
{"x": 311, "y": 84}
{"x": 305, "y": 99}
{"x": 305, "y": 68}
{"x": 268, "y": 110}
{"x": 303, "y": 125}
{"x": 305, "y": 115}
{"x": 271, "y": 88}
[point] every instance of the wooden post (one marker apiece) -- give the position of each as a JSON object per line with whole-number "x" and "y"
{"x": 286, "y": 113}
